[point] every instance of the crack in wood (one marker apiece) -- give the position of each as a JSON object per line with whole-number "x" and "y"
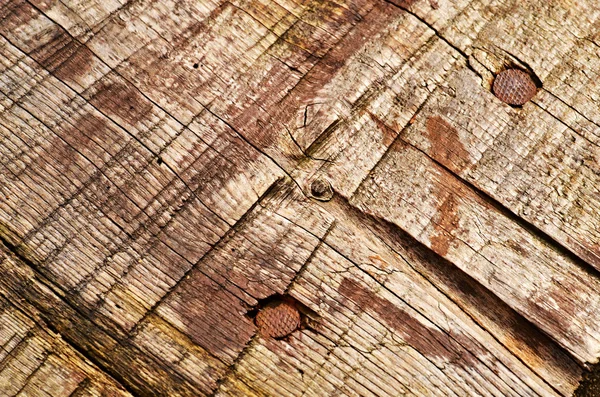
{"x": 233, "y": 229}
{"x": 530, "y": 227}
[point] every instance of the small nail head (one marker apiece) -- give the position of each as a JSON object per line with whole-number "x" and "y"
{"x": 278, "y": 319}
{"x": 321, "y": 189}
{"x": 514, "y": 86}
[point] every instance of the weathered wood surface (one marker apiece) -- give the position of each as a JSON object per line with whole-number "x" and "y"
{"x": 36, "y": 361}
{"x": 156, "y": 167}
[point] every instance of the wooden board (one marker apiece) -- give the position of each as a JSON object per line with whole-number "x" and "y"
{"x": 158, "y": 173}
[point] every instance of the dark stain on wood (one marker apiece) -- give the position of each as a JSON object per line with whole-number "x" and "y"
{"x": 212, "y": 317}
{"x": 58, "y": 49}
{"x": 97, "y": 132}
{"x": 65, "y": 162}
{"x": 15, "y": 14}
{"x": 445, "y": 222}
{"x": 374, "y": 18}
{"x": 55, "y": 49}
{"x": 77, "y": 65}
{"x": 446, "y": 146}
{"x": 431, "y": 342}
{"x": 122, "y": 100}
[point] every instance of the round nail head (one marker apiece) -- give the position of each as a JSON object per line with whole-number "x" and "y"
{"x": 320, "y": 189}
{"x": 514, "y": 86}
{"x": 278, "y": 319}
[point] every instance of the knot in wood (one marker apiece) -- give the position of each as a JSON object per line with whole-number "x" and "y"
{"x": 278, "y": 319}
{"x": 321, "y": 190}
{"x": 514, "y": 86}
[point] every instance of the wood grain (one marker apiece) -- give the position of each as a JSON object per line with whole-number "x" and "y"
{"x": 156, "y": 163}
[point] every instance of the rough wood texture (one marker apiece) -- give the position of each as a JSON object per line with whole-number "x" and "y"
{"x": 167, "y": 168}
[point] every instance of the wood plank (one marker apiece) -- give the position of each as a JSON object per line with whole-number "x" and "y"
{"x": 557, "y": 196}
{"x": 140, "y": 372}
{"x": 129, "y": 186}
{"x": 36, "y": 361}
{"x": 407, "y": 268}
{"x": 156, "y": 164}
{"x": 361, "y": 264}
{"x": 549, "y": 177}
{"x": 409, "y": 189}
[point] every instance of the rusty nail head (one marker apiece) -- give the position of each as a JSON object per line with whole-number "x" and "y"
{"x": 278, "y": 319}
{"x": 514, "y": 86}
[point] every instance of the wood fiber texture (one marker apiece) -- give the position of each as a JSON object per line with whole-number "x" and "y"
{"x": 170, "y": 168}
